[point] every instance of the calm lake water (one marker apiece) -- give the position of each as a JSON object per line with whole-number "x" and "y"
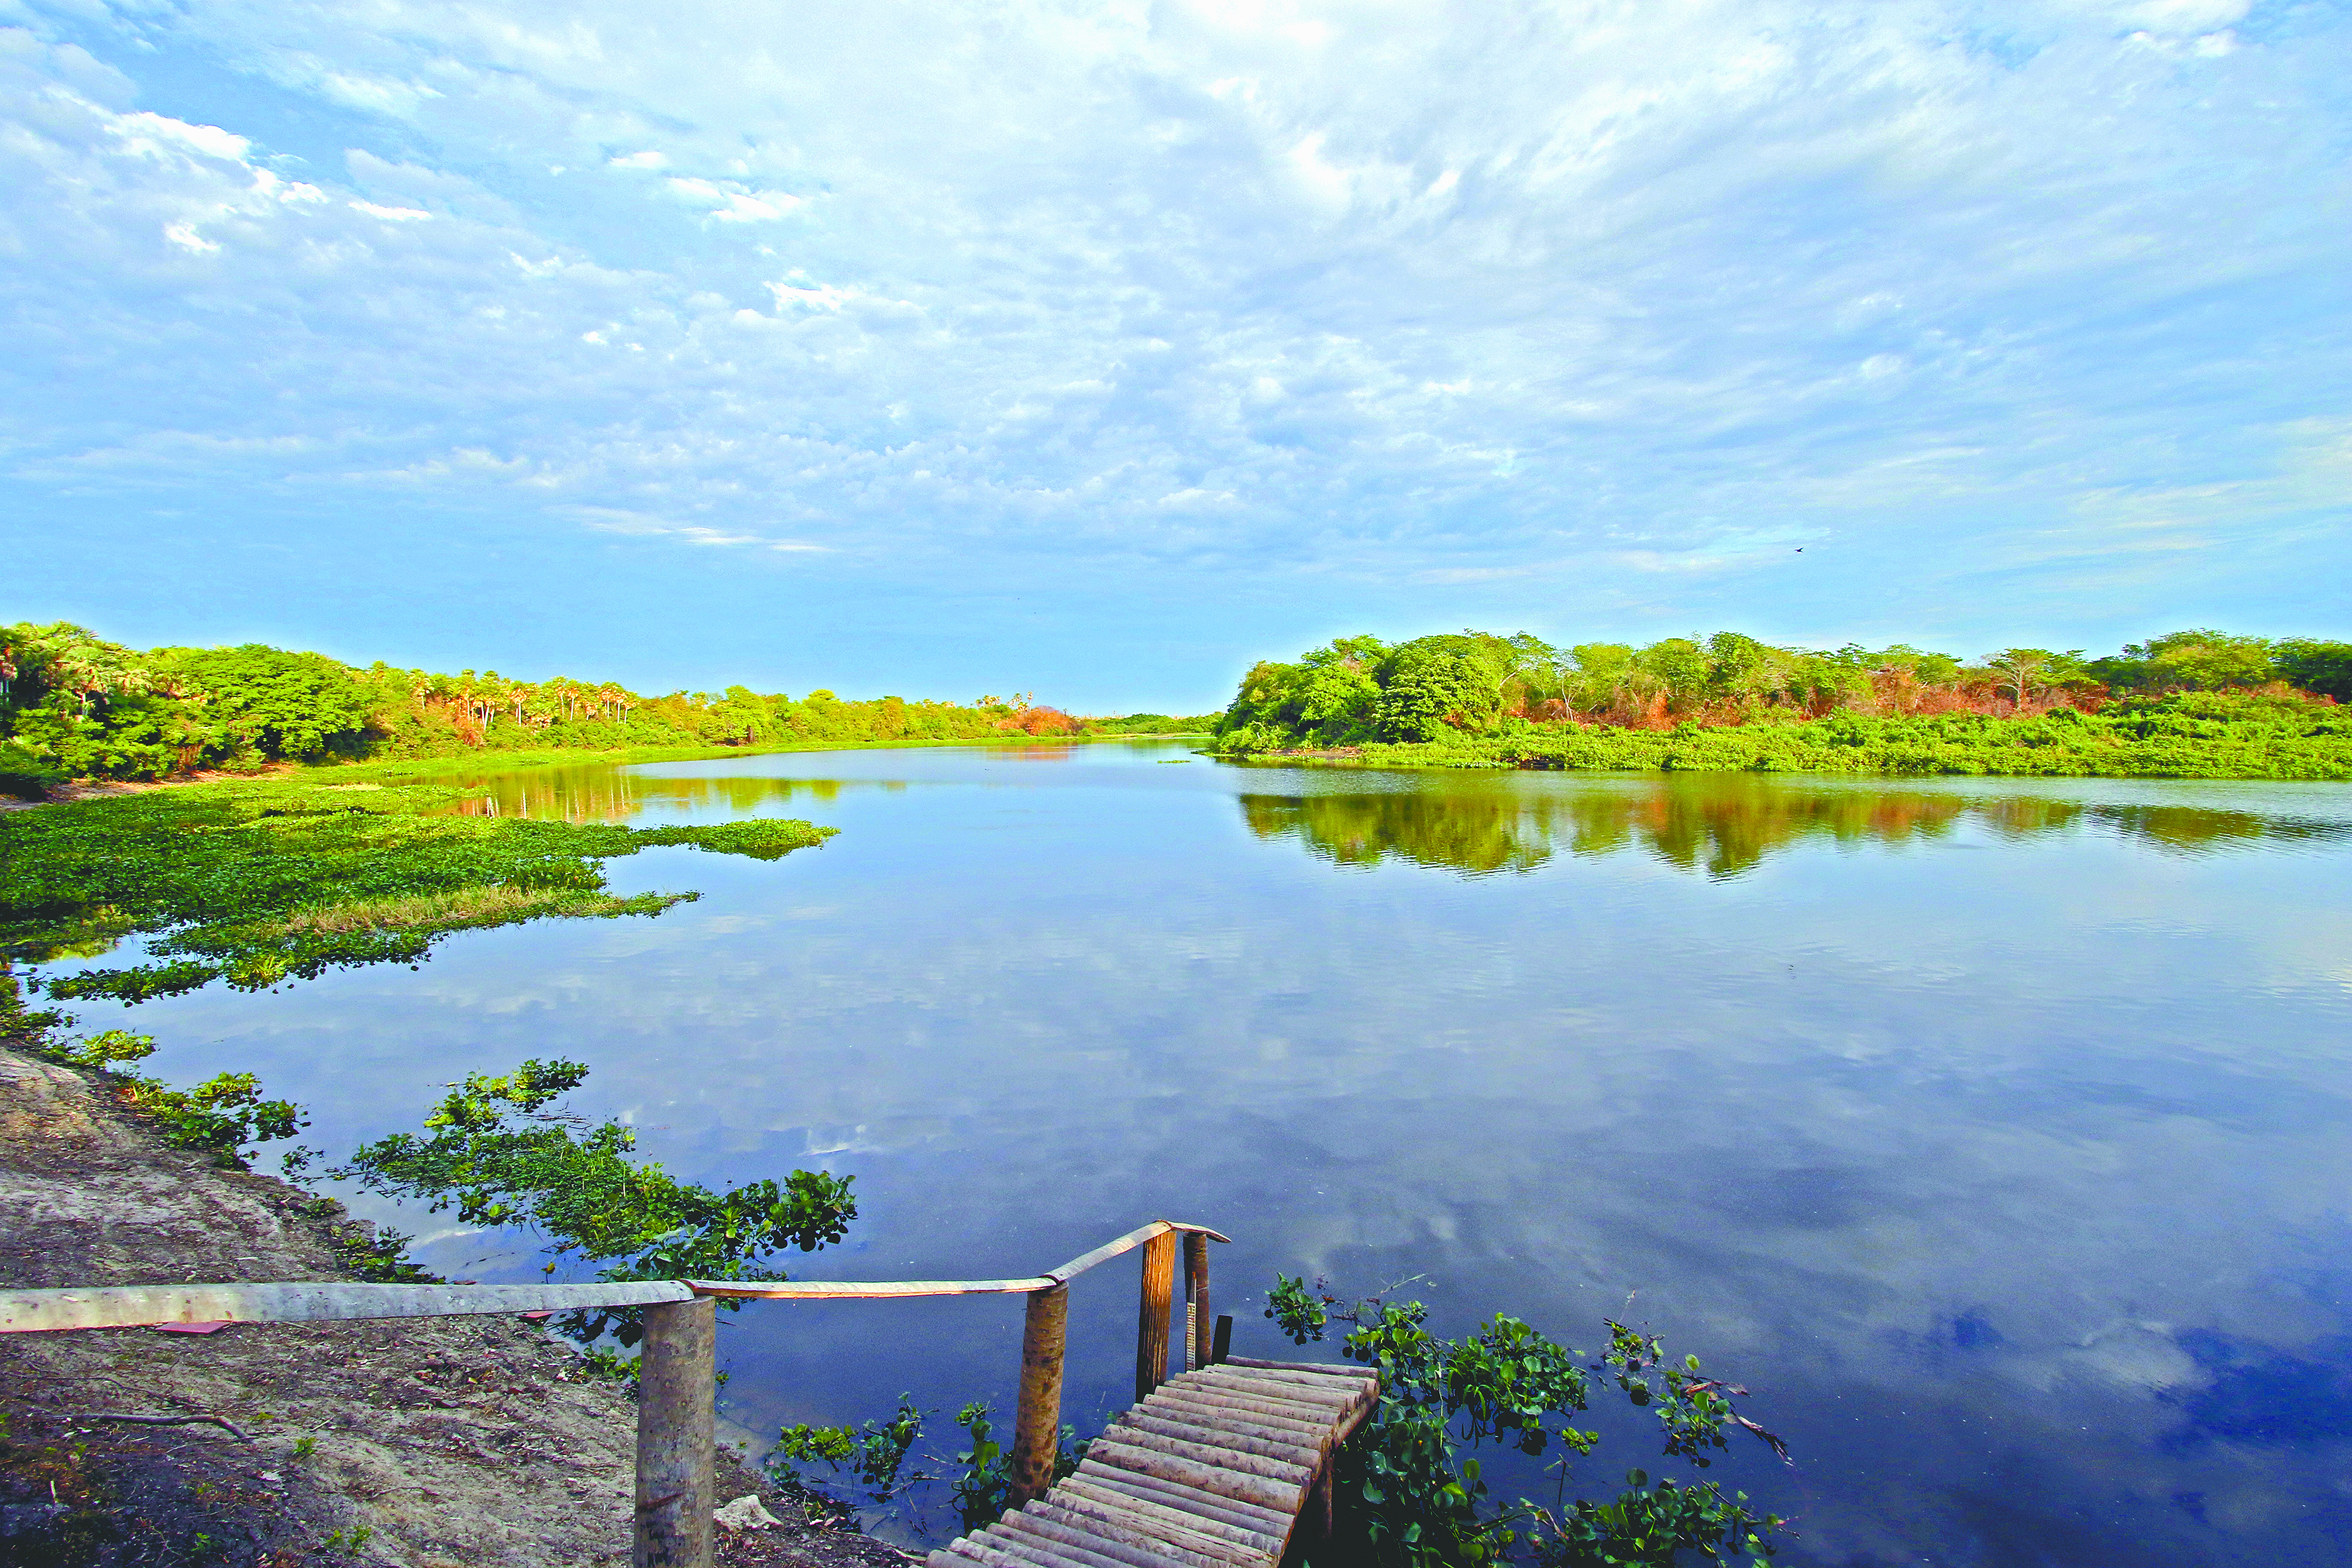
{"x": 1994, "y": 1132}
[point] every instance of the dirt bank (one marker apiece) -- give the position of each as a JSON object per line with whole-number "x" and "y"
{"x": 431, "y": 1444}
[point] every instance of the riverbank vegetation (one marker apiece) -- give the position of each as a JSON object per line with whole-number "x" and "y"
{"x": 257, "y": 882}
{"x": 73, "y": 705}
{"x": 2192, "y": 704}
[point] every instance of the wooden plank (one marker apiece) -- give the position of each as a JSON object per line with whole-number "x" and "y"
{"x": 1102, "y": 1537}
{"x": 1217, "y": 1418}
{"x": 1018, "y": 1532}
{"x": 1163, "y": 1523}
{"x": 1285, "y": 1470}
{"x": 1282, "y": 1484}
{"x": 1261, "y": 1384}
{"x": 1320, "y": 1368}
{"x": 984, "y": 1550}
{"x": 1322, "y": 1412}
{"x": 1090, "y": 1550}
{"x": 1252, "y": 1412}
{"x": 1282, "y": 1385}
{"x": 136, "y": 1306}
{"x": 1214, "y": 1506}
{"x": 1213, "y": 1518}
{"x": 863, "y": 1289}
{"x": 1320, "y": 1383}
{"x": 1109, "y": 1249}
{"x": 1288, "y": 1449}
{"x": 1238, "y": 1484}
{"x": 1156, "y": 1541}
{"x": 1246, "y": 1402}
{"x": 1029, "y": 1552}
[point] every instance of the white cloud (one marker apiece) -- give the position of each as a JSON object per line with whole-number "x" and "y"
{"x": 1403, "y": 292}
{"x": 146, "y": 132}
{"x": 735, "y": 203}
{"x": 615, "y": 519}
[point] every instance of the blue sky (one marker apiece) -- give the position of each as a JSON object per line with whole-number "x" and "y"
{"x": 1096, "y": 350}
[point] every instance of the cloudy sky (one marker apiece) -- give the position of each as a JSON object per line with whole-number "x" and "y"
{"x": 1096, "y": 348}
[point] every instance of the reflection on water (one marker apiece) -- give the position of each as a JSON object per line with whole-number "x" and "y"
{"x": 609, "y": 795}
{"x": 1721, "y": 824}
{"x": 1995, "y": 1131}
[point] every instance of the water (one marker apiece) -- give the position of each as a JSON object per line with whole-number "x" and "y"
{"x": 1995, "y": 1132}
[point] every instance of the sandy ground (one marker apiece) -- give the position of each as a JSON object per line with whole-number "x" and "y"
{"x": 445, "y": 1443}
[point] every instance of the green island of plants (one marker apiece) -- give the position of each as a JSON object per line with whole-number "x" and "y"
{"x": 259, "y": 881}
{"x": 75, "y": 706}
{"x": 2193, "y": 704}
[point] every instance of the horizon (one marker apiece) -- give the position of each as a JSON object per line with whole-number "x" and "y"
{"x": 1103, "y": 351}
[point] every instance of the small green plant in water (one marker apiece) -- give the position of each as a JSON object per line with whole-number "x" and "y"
{"x": 876, "y": 1453}
{"x": 219, "y": 1117}
{"x": 983, "y": 1484}
{"x": 1408, "y": 1495}
{"x": 979, "y": 1475}
{"x": 498, "y": 1151}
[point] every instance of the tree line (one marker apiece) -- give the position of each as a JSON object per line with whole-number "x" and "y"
{"x": 1359, "y": 690}
{"x": 74, "y": 705}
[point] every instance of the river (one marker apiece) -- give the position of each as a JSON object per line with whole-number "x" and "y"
{"x": 1993, "y": 1131}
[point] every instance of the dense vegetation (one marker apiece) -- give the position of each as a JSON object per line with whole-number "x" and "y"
{"x": 2192, "y": 704}
{"x": 73, "y": 705}
{"x": 258, "y": 882}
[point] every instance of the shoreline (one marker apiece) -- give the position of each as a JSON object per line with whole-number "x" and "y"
{"x": 424, "y": 769}
{"x": 443, "y": 1442}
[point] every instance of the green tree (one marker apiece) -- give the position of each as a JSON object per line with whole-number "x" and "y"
{"x": 2195, "y": 660}
{"x": 2028, "y": 673}
{"x": 2324, "y": 667}
{"x": 271, "y": 702}
{"x": 1429, "y": 689}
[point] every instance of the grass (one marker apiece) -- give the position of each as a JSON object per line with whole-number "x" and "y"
{"x": 258, "y": 881}
{"x": 458, "y": 909}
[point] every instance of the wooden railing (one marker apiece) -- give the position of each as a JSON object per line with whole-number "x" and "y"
{"x": 678, "y": 1370}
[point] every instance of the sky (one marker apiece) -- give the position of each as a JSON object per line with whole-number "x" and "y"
{"x": 1095, "y": 351}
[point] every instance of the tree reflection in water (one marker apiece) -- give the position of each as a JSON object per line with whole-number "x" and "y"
{"x": 1721, "y": 824}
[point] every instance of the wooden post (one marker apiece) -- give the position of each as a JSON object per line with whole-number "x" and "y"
{"x": 1151, "y": 1321}
{"x": 1037, "y": 1422}
{"x": 1196, "y": 1300}
{"x": 1221, "y": 1346}
{"x": 678, "y": 1384}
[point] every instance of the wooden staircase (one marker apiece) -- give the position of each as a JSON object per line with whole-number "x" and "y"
{"x": 1215, "y": 1468}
